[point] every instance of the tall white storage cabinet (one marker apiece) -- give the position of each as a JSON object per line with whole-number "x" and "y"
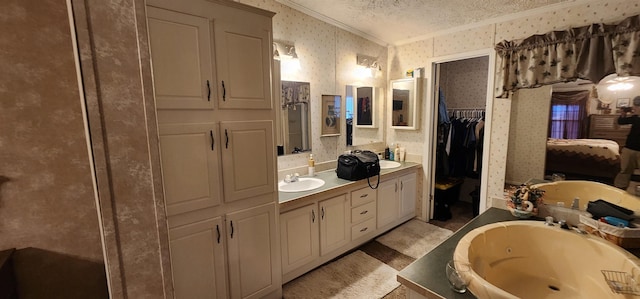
{"x": 212, "y": 67}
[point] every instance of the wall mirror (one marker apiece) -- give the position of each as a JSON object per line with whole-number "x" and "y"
{"x": 295, "y": 123}
{"x": 404, "y": 95}
{"x": 576, "y": 135}
{"x": 363, "y": 112}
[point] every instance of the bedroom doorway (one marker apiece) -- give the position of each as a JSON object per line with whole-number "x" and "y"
{"x": 461, "y": 93}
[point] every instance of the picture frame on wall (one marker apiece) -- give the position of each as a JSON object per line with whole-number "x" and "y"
{"x": 622, "y": 103}
{"x": 331, "y": 114}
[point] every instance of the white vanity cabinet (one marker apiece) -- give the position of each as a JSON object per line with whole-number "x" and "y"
{"x": 407, "y": 195}
{"x": 190, "y": 166}
{"x": 205, "y": 53}
{"x": 180, "y": 44}
{"x": 252, "y": 251}
{"x": 396, "y": 199}
{"x": 334, "y": 231}
{"x": 319, "y": 227}
{"x": 299, "y": 237}
{"x": 198, "y": 260}
{"x": 212, "y": 64}
{"x": 248, "y": 159}
{"x": 363, "y": 212}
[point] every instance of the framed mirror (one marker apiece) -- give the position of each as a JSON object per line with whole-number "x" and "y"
{"x": 295, "y": 121}
{"x": 404, "y": 112}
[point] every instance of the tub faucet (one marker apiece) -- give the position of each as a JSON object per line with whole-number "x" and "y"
{"x": 291, "y": 178}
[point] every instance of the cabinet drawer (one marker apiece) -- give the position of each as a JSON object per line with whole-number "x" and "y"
{"x": 363, "y": 228}
{"x": 362, "y": 196}
{"x": 363, "y": 212}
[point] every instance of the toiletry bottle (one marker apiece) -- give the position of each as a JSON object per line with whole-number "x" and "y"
{"x": 391, "y": 152}
{"x": 312, "y": 166}
{"x": 403, "y": 153}
{"x": 396, "y": 153}
{"x": 386, "y": 153}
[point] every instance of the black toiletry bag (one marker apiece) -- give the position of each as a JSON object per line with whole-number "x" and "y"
{"x": 359, "y": 165}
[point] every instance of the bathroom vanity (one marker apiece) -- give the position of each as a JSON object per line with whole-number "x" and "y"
{"x": 319, "y": 225}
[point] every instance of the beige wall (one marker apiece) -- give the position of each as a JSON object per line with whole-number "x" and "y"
{"x": 47, "y": 201}
{"x": 328, "y": 60}
{"x": 464, "y": 82}
{"x": 528, "y": 134}
{"x": 556, "y": 17}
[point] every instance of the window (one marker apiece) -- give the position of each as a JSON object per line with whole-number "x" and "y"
{"x": 568, "y": 115}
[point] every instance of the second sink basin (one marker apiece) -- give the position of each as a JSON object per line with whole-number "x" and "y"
{"x": 303, "y": 184}
{"x": 385, "y": 164}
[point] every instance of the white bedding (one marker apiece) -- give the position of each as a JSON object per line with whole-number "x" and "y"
{"x": 604, "y": 148}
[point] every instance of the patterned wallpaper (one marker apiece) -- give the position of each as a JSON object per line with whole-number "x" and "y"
{"x": 464, "y": 82}
{"x": 528, "y": 134}
{"x": 330, "y": 75}
{"x": 327, "y": 59}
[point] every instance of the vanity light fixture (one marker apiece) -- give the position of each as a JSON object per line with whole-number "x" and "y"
{"x": 288, "y": 57}
{"x": 367, "y": 66}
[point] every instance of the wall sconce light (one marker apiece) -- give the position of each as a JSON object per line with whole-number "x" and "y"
{"x": 368, "y": 66}
{"x": 288, "y": 56}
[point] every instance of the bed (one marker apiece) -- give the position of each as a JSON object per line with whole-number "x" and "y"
{"x": 583, "y": 158}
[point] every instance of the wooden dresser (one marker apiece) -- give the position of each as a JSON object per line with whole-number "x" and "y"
{"x": 605, "y": 126}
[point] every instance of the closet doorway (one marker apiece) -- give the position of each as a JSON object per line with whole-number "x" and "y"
{"x": 461, "y": 93}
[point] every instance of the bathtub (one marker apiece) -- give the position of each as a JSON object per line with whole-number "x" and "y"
{"x": 566, "y": 191}
{"x": 527, "y": 259}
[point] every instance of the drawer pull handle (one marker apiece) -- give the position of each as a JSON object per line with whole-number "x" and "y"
{"x": 364, "y": 212}
{"x": 313, "y": 216}
{"x": 364, "y": 195}
{"x": 364, "y": 229}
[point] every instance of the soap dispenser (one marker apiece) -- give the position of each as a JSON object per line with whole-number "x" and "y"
{"x": 312, "y": 166}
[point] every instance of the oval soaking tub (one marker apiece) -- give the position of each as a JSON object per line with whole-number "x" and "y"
{"x": 566, "y": 191}
{"x": 527, "y": 259}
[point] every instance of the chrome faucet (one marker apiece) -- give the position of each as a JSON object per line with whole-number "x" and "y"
{"x": 291, "y": 178}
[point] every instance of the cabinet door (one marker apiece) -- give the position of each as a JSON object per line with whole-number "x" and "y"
{"x": 181, "y": 55}
{"x": 243, "y": 60}
{"x": 197, "y": 260}
{"x": 299, "y": 237}
{"x": 190, "y": 169}
{"x": 247, "y": 159}
{"x": 408, "y": 194}
{"x": 253, "y": 255}
{"x": 334, "y": 228}
{"x": 387, "y": 202}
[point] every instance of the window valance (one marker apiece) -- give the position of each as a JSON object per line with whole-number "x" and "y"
{"x": 589, "y": 52}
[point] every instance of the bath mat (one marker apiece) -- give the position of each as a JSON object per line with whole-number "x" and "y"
{"x": 414, "y": 238}
{"x": 356, "y": 275}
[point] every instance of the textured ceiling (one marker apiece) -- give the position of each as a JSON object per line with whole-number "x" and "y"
{"x": 396, "y": 21}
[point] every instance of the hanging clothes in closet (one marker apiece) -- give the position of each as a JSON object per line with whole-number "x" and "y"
{"x": 462, "y": 141}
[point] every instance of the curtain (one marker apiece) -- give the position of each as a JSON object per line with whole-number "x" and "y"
{"x": 590, "y": 52}
{"x": 569, "y": 114}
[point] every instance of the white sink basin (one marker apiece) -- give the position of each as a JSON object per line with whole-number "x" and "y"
{"x": 384, "y": 164}
{"x": 303, "y": 184}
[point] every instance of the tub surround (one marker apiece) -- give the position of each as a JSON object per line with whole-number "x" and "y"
{"x": 506, "y": 262}
{"x": 425, "y": 276}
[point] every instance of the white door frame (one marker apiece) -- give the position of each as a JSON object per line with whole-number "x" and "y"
{"x": 429, "y": 151}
